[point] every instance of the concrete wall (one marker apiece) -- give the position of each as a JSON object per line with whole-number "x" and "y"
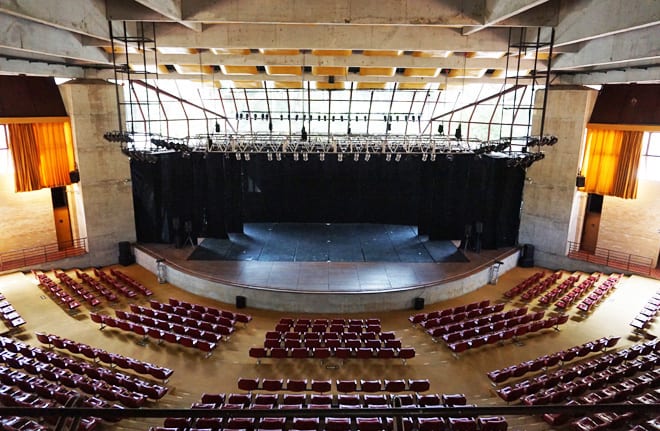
{"x": 103, "y": 201}
{"x": 632, "y": 225}
{"x": 26, "y": 219}
{"x": 550, "y": 199}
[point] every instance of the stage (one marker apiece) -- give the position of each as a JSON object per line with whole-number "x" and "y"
{"x": 271, "y": 275}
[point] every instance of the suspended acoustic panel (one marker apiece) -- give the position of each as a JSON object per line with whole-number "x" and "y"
{"x": 193, "y": 69}
{"x": 288, "y": 84}
{"x": 377, "y": 71}
{"x": 371, "y": 85}
{"x": 319, "y": 85}
{"x": 280, "y": 51}
{"x": 431, "y": 54}
{"x": 382, "y": 52}
{"x": 413, "y": 86}
{"x": 248, "y": 84}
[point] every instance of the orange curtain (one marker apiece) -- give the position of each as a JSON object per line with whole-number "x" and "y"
{"x": 42, "y": 153}
{"x": 611, "y": 161}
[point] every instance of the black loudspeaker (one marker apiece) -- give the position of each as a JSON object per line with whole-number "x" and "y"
{"x": 580, "y": 181}
{"x": 241, "y": 302}
{"x": 74, "y": 176}
{"x": 526, "y": 259}
{"x": 419, "y": 303}
{"x": 125, "y": 256}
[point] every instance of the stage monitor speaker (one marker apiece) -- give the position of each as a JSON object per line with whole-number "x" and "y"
{"x": 526, "y": 259}
{"x": 241, "y": 302}
{"x": 125, "y": 255}
{"x": 419, "y": 303}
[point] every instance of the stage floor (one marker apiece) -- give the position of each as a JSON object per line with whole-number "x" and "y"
{"x": 326, "y": 275}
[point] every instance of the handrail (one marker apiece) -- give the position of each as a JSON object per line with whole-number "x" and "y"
{"x": 612, "y": 258}
{"x": 456, "y": 411}
{"x": 41, "y": 254}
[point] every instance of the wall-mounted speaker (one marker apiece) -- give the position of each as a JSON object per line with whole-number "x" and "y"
{"x": 74, "y": 176}
{"x": 580, "y": 181}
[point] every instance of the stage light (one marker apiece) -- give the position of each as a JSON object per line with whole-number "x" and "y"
{"x": 295, "y": 157}
{"x": 433, "y": 157}
{"x": 217, "y": 127}
{"x": 425, "y": 157}
{"x": 303, "y": 134}
{"x": 458, "y": 133}
{"x": 246, "y": 156}
{"x": 356, "y": 157}
{"x": 322, "y": 157}
{"x": 238, "y": 156}
{"x": 367, "y": 157}
{"x": 270, "y": 157}
{"x": 278, "y": 156}
{"x": 441, "y": 129}
{"x": 340, "y": 157}
{"x": 305, "y": 157}
{"x": 397, "y": 157}
{"x": 388, "y": 158}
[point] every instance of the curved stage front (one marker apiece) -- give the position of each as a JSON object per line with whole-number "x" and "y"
{"x": 324, "y": 287}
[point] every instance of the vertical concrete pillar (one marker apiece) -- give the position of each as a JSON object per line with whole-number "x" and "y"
{"x": 552, "y": 206}
{"x": 102, "y": 202}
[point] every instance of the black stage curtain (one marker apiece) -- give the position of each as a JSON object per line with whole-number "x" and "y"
{"x": 217, "y": 194}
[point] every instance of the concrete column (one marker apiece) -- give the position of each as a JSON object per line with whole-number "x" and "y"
{"x": 102, "y": 202}
{"x": 552, "y": 206}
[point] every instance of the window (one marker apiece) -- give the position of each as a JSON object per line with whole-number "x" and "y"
{"x": 649, "y": 166}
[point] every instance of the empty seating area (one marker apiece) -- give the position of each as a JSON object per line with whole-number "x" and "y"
{"x": 100, "y": 355}
{"x": 83, "y": 293}
{"x": 324, "y": 386}
{"x": 36, "y": 377}
{"x": 567, "y": 284}
{"x": 130, "y": 282}
{"x": 524, "y": 285}
{"x": 575, "y": 294}
{"x": 323, "y": 338}
{"x": 97, "y": 286}
{"x": 608, "y": 377}
{"x": 479, "y": 323}
{"x": 648, "y": 312}
{"x": 599, "y": 293}
{"x": 160, "y": 330}
{"x": 9, "y": 315}
{"x": 546, "y": 361}
{"x": 352, "y": 397}
{"x": 115, "y": 284}
{"x": 540, "y": 287}
{"x": 201, "y": 310}
{"x": 55, "y": 292}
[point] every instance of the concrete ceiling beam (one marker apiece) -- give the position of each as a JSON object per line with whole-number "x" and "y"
{"x": 31, "y": 37}
{"x": 498, "y": 11}
{"x": 639, "y": 75}
{"x": 171, "y": 10}
{"x": 20, "y": 67}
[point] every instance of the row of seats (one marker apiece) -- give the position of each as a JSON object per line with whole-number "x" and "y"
{"x": 490, "y": 423}
{"x": 90, "y": 281}
{"x": 524, "y": 285}
{"x": 232, "y": 315}
{"x": 345, "y": 386}
{"x": 598, "y": 294}
{"x": 321, "y": 325}
{"x": 479, "y": 316}
{"x": 10, "y": 316}
{"x": 567, "y": 284}
{"x": 112, "y": 359}
{"x": 546, "y": 361}
{"x": 163, "y": 320}
{"x": 543, "y": 285}
{"x": 593, "y": 373}
{"x": 547, "y": 298}
{"x": 20, "y": 423}
{"x": 420, "y": 318}
{"x": 117, "y": 285}
{"x": 649, "y": 425}
{"x": 131, "y": 282}
{"x": 512, "y": 333}
{"x": 342, "y": 353}
{"x": 579, "y": 291}
{"x": 489, "y": 323}
{"x": 332, "y": 339}
{"x": 55, "y": 292}
{"x": 63, "y": 369}
{"x": 187, "y": 327}
{"x": 153, "y": 332}
{"x": 86, "y": 295}
{"x": 647, "y": 313}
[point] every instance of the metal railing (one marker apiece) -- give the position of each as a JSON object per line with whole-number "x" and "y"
{"x": 612, "y": 258}
{"x": 32, "y": 256}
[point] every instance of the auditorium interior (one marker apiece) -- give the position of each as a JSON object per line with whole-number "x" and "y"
{"x": 393, "y": 215}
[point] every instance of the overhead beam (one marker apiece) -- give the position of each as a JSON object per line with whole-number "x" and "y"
{"x": 584, "y": 20}
{"x": 632, "y": 46}
{"x": 354, "y": 60}
{"x": 82, "y": 17}
{"x": 639, "y": 75}
{"x": 500, "y": 10}
{"x": 332, "y": 36}
{"x": 32, "y": 37}
{"x": 32, "y": 68}
{"x": 170, "y": 9}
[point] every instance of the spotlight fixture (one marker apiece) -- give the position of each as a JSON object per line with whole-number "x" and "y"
{"x": 397, "y": 157}
{"x": 246, "y": 156}
{"x": 433, "y": 157}
{"x": 217, "y": 127}
{"x": 356, "y": 157}
{"x": 303, "y": 134}
{"x": 238, "y": 156}
{"x": 278, "y": 156}
{"x": 270, "y": 157}
{"x": 305, "y": 156}
{"x": 458, "y": 133}
{"x": 340, "y": 157}
{"x": 425, "y": 157}
{"x": 295, "y": 157}
{"x": 367, "y": 157}
{"x": 441, "y": 129}
{"x": 388, "y": 158}
{"x": 322, "y": 157}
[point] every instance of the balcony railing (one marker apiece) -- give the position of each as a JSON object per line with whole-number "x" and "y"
{"x": 612, "y": 258}
{"x": 33, "y": 256}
